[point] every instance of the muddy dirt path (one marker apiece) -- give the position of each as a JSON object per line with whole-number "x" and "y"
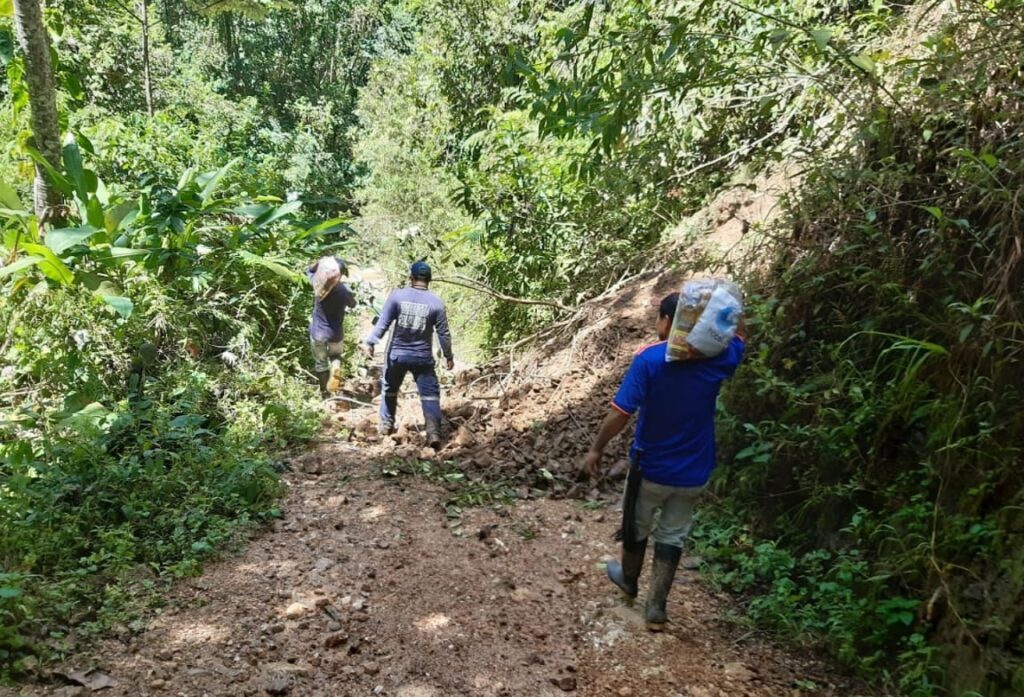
{"x": 372, "y": 585}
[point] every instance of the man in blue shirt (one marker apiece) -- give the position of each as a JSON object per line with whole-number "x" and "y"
{"x": 326, "y": 325}
{"x": 416, "y": 314}
{"x": 673, "y": 455}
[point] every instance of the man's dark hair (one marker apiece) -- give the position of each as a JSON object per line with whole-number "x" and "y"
{"x": 667, "y": 307}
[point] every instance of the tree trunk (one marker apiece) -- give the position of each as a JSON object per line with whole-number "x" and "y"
{"x": 34, "y": 43}
{"x": 147, "y": 74}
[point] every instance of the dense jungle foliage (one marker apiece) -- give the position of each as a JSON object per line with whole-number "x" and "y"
{"x": 870, "y": 497}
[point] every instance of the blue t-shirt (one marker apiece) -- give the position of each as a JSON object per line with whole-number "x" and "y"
{"x": 675, "y": 429}
{"x": 417, "y": 314}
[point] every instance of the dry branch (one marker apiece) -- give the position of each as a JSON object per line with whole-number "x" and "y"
{"x": 471, "y": 284}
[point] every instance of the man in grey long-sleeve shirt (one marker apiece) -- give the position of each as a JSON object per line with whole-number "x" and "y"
{"x": 416, "y": 314}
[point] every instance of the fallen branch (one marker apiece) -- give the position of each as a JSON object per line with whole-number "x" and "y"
{"x": 342, "y": 398}
{"x": 471, "y": 284}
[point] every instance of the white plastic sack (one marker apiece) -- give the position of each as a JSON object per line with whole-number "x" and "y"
{"x": 707, "y": 318}
{"x": 326, "y": 276}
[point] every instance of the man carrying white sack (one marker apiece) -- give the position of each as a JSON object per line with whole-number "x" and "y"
{"x": 331, "y": 299}
{"x": 672, "y": 386}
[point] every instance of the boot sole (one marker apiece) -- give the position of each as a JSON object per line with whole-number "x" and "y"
{"x": 655, "y": 626}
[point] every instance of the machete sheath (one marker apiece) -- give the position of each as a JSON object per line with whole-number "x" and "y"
{"x": 627, "y": 532}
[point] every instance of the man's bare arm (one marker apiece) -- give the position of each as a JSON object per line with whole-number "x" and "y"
{"x": 612, "y": 426}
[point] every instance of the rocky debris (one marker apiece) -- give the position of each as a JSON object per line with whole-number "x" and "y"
{"x": 93, "y": 680}
{"x": 566, "y": 683}
{"x": 335, "y": 640}
{"x": 296, "y": 610}
{"x": 738, "y": 671}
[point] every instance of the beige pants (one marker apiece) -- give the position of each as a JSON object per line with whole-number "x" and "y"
{"x": 323, "y": 352}
{"x": 666, "y": 512}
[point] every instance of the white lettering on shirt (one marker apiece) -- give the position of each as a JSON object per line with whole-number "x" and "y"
{"x": 413, "y": 316}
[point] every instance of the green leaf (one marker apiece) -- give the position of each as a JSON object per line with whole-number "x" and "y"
{"x": 94, "y": 213}
{"x": 113, "y": 217}
{"x": 9, "y": 198}
{"x": 187, "y": 421}
{"x": 275, "y": 266}
{"x": 122, "y": 305}
{"x": 63, "y": 239}
{"x": 186, "y": 178}
{"x": 147, "y": 353}
{"x": 74, "y": 167}
{"x": 59, "y": 180}
{"x": 52, "y": 267}
{"x": 252, "y": 210}
{"x": 86, "y": 419}
{"x": 821, "y": 37}
{"x": 276, "y": 214}
{"x": 22, "y": 263}
{"x": 126, "y": 252}
{"x": 213, "y": 181}
{"x": 324, "y": 228}
{"x": 6, "y": 44}
{"x": 864, "y": 62}
{"x": 9, "y": 591}
{"x": 6, "y": 8}
{"x": 73, "y": 85}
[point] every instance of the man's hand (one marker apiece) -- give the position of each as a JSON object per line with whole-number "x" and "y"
{"x": 591, "y": 463}
{"x": 367, "y": 350}
{"x": 451, "y": 364}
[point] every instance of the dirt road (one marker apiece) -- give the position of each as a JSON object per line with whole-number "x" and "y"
{"x": 382, "y": 578}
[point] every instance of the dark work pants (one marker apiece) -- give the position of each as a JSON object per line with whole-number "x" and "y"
{"x": 426, "y": 382}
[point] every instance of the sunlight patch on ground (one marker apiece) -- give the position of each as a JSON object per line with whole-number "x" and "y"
{"x": 433, "y": 623}
{"x": 372, "y": 513}
{"x": 417, "y": 691}
{"x": 199, "y": 633}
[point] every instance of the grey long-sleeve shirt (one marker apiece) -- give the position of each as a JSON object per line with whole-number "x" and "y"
{"x": 416, "y": 314}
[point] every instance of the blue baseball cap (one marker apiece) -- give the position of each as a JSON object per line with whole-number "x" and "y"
{"x": 420, "y": 270}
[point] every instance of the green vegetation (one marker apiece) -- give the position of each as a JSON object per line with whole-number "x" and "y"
{"x": 877, "y": 427}
{"x": 146, "y": 382}
{"x": 154, "y": 327}
{"x": 202, "y": 154}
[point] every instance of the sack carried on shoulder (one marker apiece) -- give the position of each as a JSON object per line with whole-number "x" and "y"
{"x": 707, "y": 318}
{"x": 326, "y": 276}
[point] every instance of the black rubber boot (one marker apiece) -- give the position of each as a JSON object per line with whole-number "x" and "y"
{"x": 663, "y": 572}
{"x": 624, "y": 574}
{"x": 322, "y": 377}
{"x": 434, "y": 433}
{"x": 385, "y": 428}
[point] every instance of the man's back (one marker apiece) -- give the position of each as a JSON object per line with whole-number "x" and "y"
{"x": 327, "y": 321}
{"x": 675, "y": 401}
{"x": 416, "y": 313}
